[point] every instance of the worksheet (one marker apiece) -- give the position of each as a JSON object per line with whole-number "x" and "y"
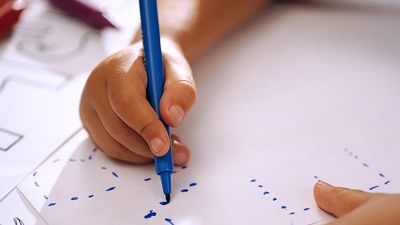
{"x": 43, "y": 68}
{"x": 39, "y": 111}
{"x": 16, "y": 210}
{"x": 261, "y": 134}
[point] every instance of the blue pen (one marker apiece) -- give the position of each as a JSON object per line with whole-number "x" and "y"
{"x": 155, "y": 77}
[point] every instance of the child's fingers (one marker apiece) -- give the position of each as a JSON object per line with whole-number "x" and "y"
{"x": 337, "y": 200}
{"x": 180, "y": 152}
{"x": 105, "y": 142}
{"x": 127, "y": 96}
{"x": 179, "y": 90}
{"x": 120, "y": 131}
{"x": 382, "y": 210}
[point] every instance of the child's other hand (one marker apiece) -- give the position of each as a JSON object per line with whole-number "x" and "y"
{"x": 357, "y": 207}
{"x": 120, "y": 120}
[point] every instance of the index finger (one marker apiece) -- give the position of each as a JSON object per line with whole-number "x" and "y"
{"x": 127, "y": 96}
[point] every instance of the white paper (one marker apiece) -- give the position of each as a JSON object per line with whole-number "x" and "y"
{"x": 38, "y": 113}
{"x": 298, "y": 95}
{"x": 39, "y": 105}
{"x": 16, "y": 210}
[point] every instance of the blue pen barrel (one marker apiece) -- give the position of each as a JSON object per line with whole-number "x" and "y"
{"x": 155, "y": 72}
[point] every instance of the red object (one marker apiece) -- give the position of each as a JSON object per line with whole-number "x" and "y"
{"x": 9, "y": 15}
{"x": 85, "y": 12}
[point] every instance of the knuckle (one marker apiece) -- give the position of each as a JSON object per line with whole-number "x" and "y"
{"x": 148, "y": 125}
{"x": 114, "y": 60}
{"x": 121, "y": 102}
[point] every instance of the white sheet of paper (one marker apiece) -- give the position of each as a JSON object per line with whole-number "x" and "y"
{"x": 298, "y": 95}
{"x": 16, "y": 210}
{"x": 38, "y": 113}
{"x": 262, "y": 132}
{"x": 33, "y": 98}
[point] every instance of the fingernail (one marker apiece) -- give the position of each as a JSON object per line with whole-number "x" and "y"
{"x": 180, "y": 158}
{"x": 324, "y": 184}
{"x": 177, "y": 113}
{"x": 156, "y": 145}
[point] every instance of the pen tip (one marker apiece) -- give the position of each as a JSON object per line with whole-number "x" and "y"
{"x": 168, "y": 197}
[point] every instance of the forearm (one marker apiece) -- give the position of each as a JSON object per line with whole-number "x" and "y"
{"x": 194, "y": 25}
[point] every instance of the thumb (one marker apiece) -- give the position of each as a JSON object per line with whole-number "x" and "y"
{"x": 338, "y": 200}
{"x": 179, "y": 88}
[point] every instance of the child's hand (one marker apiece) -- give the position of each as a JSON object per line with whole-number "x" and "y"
{"x": 117, "y": 115}
{"x": 357, "y": 207}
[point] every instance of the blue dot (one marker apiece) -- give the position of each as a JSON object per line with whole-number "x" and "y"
{"x": 283, "y": 207}
{"x": 184, "y": 190}
{"x": 169, "y": 221}
{"x": 387, "y": 182}
{"x": 110, "y": 188}
{"x": 36, "y": 184}
{"x": 306, "y": 209}
{"x": 115, "y": 174}
{"x": 74, "y": 198}
{"x": 266, "y": 192}
{"x": 373, "y": 187}
{"x": 292, "y": 213}
{"x": 260, "y": 186}
{"x": 34, "y": 174}
{"x": 147, "y": 179}
{"x": 364, "y": 164}
{"x": 381, "y": 174}
{"x": 192, "y": 184}
{"x": 274, "y": 199}
{"x": 253, "y": 180}
{"x": 150, "y": 214}
{"x": 103, "y": 167}
{"x": 45, "y": 197}
{"x": 90, "y": 196}
{"x": 184, "y": 167}
{"x": 51, "y": 204}
{"x": 316, "y": 177}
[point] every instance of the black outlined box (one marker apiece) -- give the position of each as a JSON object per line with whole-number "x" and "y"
{"x": 8, "y": 139}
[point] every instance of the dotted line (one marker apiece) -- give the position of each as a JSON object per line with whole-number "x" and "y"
{"x": 153, "y": 213}
{"x": 72, "y": 160}
{"x": 356, "y": 157}
{"x": 187, "y": 189}
{"x": 275, "y": 199}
